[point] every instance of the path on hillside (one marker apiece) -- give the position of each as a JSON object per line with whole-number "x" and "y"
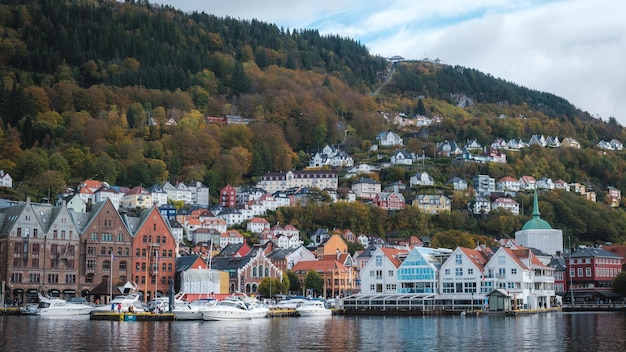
{"x": 394, "y": 66}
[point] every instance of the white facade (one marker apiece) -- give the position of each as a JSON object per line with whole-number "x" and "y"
{"x": 379, "y": 275}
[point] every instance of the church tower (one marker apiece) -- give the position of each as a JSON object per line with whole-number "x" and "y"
{"x": 537, "y": 233}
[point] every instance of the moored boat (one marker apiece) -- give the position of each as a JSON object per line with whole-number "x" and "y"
{"x": 193, "y": 310}
{"x": 125, "y": 302}
{"x": 230, "y": 309}
{"x": 313, "y": 308}
{"x": 60, "y": 307}
{"x": 29, "y": 309}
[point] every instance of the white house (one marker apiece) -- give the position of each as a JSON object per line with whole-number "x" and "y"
{"x": 457, "y": 183}
{"x": 508, "y": 184}
{"x": 462, "y": 274}
{"x": 421, "y": 179}
{"x": 231, "y": 237}
{"x": 331, "y": 156}
{"x": 5, "y": 179}
{"x": 379, "y": 275}
{"x": 484, "y": 184}
{"x": 401, "y": 157}
{"x": 388, "y": 139}
{"x": 506, "y": 204}
{"x": 527, "y": 183}
{"x": 366, "y": 188}
{"x": 479, "y": 205}
{"x": 545, "y": 183}
{"x": 529, "y": 282}
{"x": 257, "y": 225}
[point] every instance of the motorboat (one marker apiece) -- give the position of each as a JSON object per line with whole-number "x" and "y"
{"x": 234, "y": 309}
{"x": 291, "y": 303}
{"x": 29, "y": 309}
{"x": 162, "y": 304}
{"x": 125, "y": 302}
{"x": 59, "y": 307}
{"x": 193, "y": 310}
{"x": 313, "y": 308}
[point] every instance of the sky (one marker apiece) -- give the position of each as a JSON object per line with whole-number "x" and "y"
{"x": 571, "y": 48}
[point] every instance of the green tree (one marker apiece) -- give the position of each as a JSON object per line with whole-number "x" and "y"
{"x": 294, "y": 283}
{"x": 270, "y": 287}
{"x": 452, "y": 239}
{"x": 619, "y": 283}
{"x": 313, "y": 281}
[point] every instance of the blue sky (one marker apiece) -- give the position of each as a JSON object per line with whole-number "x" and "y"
{"x": 571, "y": 48}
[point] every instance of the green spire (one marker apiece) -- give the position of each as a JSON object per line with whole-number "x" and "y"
{"x": 536, "y": 223}
{"x": 536, "y": 213}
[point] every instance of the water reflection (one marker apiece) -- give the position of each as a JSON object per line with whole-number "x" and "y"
{"x": 545, "y": 332}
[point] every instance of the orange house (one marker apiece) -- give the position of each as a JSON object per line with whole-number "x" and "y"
{"x": 154, "y": 255}
{"x": 333, "y": 245}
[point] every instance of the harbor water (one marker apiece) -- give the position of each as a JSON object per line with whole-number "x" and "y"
{"x": 558, "y": 331}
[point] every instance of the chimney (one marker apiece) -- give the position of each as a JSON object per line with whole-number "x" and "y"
{"x": 338, "y": 254}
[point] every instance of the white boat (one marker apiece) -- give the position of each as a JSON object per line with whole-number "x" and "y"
{"x": 60, "y": 307}
{"x": 126, "y": 301}
{"x": 291, "y": 303}
{"x": 234, "y": 309}
{"x": 162, "y": 304}
{"x": 193, "y": 310}
{"x": 313, "y": 308}
{"x": 29, "y": 309}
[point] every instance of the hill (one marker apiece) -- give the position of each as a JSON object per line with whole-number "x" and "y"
{"x": 121, "y": 92}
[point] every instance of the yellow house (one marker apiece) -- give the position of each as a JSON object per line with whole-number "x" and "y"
{"x": 333, "y": 245}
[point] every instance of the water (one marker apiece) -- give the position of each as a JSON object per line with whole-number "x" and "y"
{"x": 540, "y": 332}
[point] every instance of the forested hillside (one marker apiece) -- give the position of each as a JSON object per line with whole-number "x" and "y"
{"x": 120, "y": 92}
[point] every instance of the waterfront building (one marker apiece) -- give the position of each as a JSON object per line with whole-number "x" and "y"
{"x": 591, "y": 273}
{"x": 537, "y": 233}
{"x": 339, "y": 280}
{"x": 523, "y": 276}
{"x": 419, "y": 272}
{"x": 246, "y": 272}
{"x": 379, "y": 275}
{"x": 154, "y": 253}
{"x": 462, "y": 274}
{"x": 39, "y": 248}
{"x": 106, "y": 245}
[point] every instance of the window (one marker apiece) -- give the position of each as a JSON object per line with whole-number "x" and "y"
{"x": 123, "y": 265}
{"x": 94, "y": 236}
{"x": 458, "y": 259}
{"x": 448, "y": 287}
{"x": 458, "y": 272}
{"x": 447, "y": 272}
{"x": 513, "y": 271}
{"x": 588, "y": 272}
{"x": 379, "y": 260}
{"x": 470, "y": 271}
{"x": 501, "y": 260}
{"x": 120, "y": 237}
{"x": 106, "y": 265}
{"x": 379, "y": 274}
{"x": 391, "y": 273}
{"x": 580, "y": 272}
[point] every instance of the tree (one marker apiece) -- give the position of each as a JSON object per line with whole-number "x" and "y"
{"x": 313, "y": 281}
{"x": 619, "y": 284}
{"x": 294, "y": 283}
{"x": 270, "y": 287}
{"x": 452, "y": 239}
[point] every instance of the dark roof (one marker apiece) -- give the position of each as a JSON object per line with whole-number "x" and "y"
{"x": 229, "y": 263}
{"x": 593, "y": 252}
{"x": 186, "y": 262}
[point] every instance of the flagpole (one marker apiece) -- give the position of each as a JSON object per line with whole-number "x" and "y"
{"x": 111, "y": 279}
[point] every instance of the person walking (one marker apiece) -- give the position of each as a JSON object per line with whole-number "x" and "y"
{"x": 119, "y": 307}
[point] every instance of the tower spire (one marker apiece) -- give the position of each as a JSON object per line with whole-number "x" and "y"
{"x": 536, "y": 214}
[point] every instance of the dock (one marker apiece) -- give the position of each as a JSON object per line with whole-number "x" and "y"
{"x": 109, "y": 316}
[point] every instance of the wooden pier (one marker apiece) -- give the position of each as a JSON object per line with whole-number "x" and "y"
{"x": 132, "y": 316}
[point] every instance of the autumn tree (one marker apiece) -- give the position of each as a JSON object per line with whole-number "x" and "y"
{"x": 313, "y": 281}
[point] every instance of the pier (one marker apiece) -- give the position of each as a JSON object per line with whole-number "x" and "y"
{"x": 132, "y": 316}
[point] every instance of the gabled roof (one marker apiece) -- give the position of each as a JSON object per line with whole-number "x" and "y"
{"x": 186, "y": 262}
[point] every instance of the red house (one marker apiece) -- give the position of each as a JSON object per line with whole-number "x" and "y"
{"x": 591, "y": 273}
